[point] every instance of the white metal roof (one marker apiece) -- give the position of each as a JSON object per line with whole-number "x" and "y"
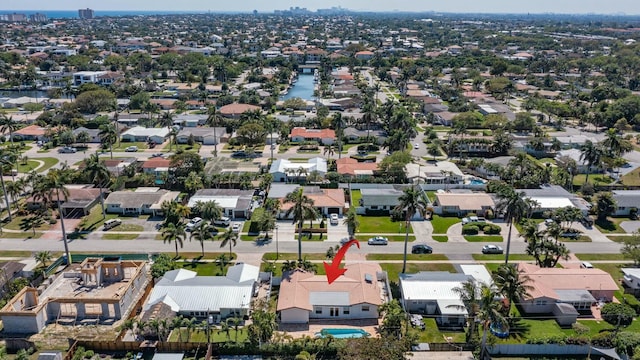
{"x": 549, "y": 202}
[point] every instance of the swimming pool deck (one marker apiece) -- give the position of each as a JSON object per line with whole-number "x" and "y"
{"x": 299, "y": 330}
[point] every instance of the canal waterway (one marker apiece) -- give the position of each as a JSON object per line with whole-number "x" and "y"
{"x": 303, "y": 88}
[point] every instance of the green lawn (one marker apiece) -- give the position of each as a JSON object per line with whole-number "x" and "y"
{"x": 356, "y": 195}
{"x": 393, "y": 238}
{"x": 581, "y": 238}
{"x": 123, "y": 145}
{"x": 20, "y": 235}
{"x": 394, "y": 269}
{"x": 610, "y": 225}
{"x": 120, "y": 236}
{"x": 94, "y": 220}
{"x": 440, "y": 238}
{"x": 579, "y": 179}
{"x": 483, "y": 238}
{"x": 489, "y": 257}
{"x": 618, "y": 238}
{"x": 431, "y": 333}
{"x": 381, "y": 225}
{"x": 217, "y": 336}
{"x": 590, "y": 257}
{"x": 270, "y": 256}
{"x": 186, "y": 147}
{"x": 441, "y": 224}
{"x": 632, "y": 178}
{"x": 11, "y": 253}
{"x": 412, "y": 257}
{"x": 14, "y": 224}
{"x": 205, "y": 268}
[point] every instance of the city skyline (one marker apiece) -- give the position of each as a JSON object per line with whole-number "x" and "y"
{"x": 629, "y": 7}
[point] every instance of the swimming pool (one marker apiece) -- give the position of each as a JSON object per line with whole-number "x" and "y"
{"x": 343, "y": 333}
{"x": 476, "y": 182}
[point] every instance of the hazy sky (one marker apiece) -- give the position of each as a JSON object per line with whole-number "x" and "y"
{"x": 490, "y": 6}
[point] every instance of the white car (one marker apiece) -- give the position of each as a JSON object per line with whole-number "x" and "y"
{"x": 131, "y": 149}
{"x": 194, "y": 223}
{"x": 378, "y": 240}
{"x": 416, "y": 146}
{"x": 235, "y": 227}
{"x": 334, "y": 219}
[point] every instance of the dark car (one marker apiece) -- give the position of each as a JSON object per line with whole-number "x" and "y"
{"x": 421, "y": 249}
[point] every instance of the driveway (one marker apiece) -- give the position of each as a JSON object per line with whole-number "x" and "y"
{"x": 630, "y": 226}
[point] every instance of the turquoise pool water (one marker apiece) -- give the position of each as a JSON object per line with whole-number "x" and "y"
{"x": 343, "y": 333}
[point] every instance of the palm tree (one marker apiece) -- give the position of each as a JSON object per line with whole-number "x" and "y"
{"x": 7, "y": 124}
{"x": 174, "y": 232}
{"x": 351, "y": 221}
{"x": 615, "y": 144}
{"x": 99, "y": 175}
{"x": 213, "y": 117}
{"x": 338, "y": 124}
{"x": 468, "y": 292}
{"x": 301, "y": 209}
{"x": 229, "y": 237}
{"x": 412, "y": 202}
{"x": 7, "y": 159}
{"x": 55, "y": 180}
{"x": 209, "y": 210}
{"x": 511, "y": 283}
{"x": 590, "y": 154}
{"x": 43, "y": 257}
{"x": 108, "y": 136}
{"x": 167, "y": 120}
{"x": 202, "y": 233}
{"x": 176, "y": 323}
{"x": 513, "y": 206}
{"x": 489, "y": 312}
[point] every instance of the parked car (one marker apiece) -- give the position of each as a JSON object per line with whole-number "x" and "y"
{"x": 157, "y": 155}
{"x": 416, "y": 146}
{"x": 492, "y": 249}
{"x": 587, "y": 221}
{"x": 67, "y": 150}
{"x": 421, "y": 249}
{"x": 235, "y": 227}
{"x": 131, "y": 149}
{"x": 194, "y": 223}
{"x": 586, "y": 265}
{"x": 416, "y": 321}
{"x": 111, "y": 223}
{"x": 378, "y": 240}
{"x": 344, "y": 240}
{"x": 334, "y": 219}
{"x": 472, "y": 219}
{"x": 223, "y": 221}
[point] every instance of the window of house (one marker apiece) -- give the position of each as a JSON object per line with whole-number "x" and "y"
{"x": 374, "y": 207}
{"x": 346, "y": 310}
{"x": 318, "y": 310}
{"x": 365, "y": 307}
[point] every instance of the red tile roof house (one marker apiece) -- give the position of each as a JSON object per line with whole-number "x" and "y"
{"x": 305, "y": 297}
{"x": 79, "y": 201}
{"x": 153, "y": 166}
{"x": 31, "y": 132}
{"x": 322, "y": 136}
{"x": 555, "y": 288}
{"x": 355, "y": 169}
{"x": 326, "y": 201}
{"x": 236, "y": 110}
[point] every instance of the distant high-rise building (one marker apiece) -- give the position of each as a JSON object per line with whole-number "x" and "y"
{"x": 37, "y": 17}
{"x": 13, "y": 17}
{"x": 85, "y": 13}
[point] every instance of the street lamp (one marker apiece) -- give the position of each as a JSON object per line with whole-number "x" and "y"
{"x": 277, "y": 251}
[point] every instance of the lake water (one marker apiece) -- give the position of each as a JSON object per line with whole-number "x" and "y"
{"x": 303, "y": 88}
{"x": 17, "y": 94}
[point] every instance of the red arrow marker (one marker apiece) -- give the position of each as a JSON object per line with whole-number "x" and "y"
{"x": 334, "y": 271}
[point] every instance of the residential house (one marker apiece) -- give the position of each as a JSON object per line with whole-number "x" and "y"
{"x": 462, "y": 202}
{"x": 23, "y": 100}
{"x": 357, "y": 294}
{"x": 355, "y": 169}
{"x": 95, "y": 77}
{"x": 353, "y": 135}
{"x": 381, "y": 199}
{"x": 364, "y": 55}
{"x": 142, "y": 134}
{"x": 190, "y": 295}
{"x": 325, "y": 201}
{"x": 440, "y": 174}
{"x": 284, "y": 170}
{"x": 94, "y": 134}
{"x": 576, "y": 155}
{"x": 627, "y": 202}
{"x": 142, "y": 201}
{"x": 431, "y": 293}
{"x": 234, "y": 203}
{"x": 116, "y": 166}
{"x": 322, "y": 136}
{"x": 631, "y": 280}
{"x": 30, "y": 133}
{"x": 100, "y": 290}
{"x": 203, "y": 135}
{"x": 158, "y": 167}
{"x": 77, "y": 203}
{"x": 578, "y": 287}
{"x": 236, "y": 110}
{"x": 552, "y": 197}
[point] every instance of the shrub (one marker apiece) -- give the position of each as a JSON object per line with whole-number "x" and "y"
{"x": 489, "y": 214}
{"x": 491, "y": 229}
{"x": 470, "y": 229}
{"x": 618, "y": 314}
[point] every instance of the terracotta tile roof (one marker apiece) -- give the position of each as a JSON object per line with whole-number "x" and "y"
{"x": 349, "y": 166}
{"x": 313, "y": 133}
{"x": 237, "y": 109}
{"x": 156, "y": 163}
{"x": 295, "y": 289}
{"x": 320, "y": 197}
{"x": 545, "y": 281}
{"x": 31, "y": 130}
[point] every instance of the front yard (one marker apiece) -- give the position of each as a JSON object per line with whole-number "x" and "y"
{"x": 611, "y": 225}
{"x": 381, "y": 225}
{"x": 483, "y": 238}
{"x": 442, "y": 224}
